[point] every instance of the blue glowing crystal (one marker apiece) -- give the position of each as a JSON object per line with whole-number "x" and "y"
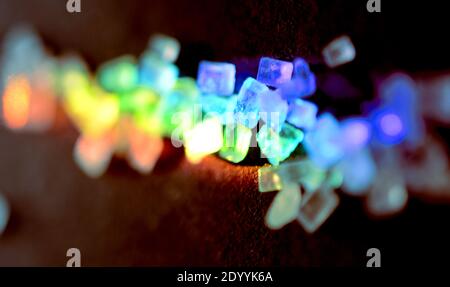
{"x": 298, "y": 88}
{"x": 4, "y": 213}
{"x": 247, "y": 107}
{"x": 277, "y": 147}
{"x": 340, "y": 51}
{"x": 22, "y": 53}
{"x": 356, "y": 133}
{"x": 165, "y": 47}
{"x": 359, "y": 172}
{"x": 273, "y": 72}
{"x": 301, "y": 68}
{"x": 216, "y": 78}
{"x": 219, "y": 106}
{"x": 273, "y": 109}
{"x": 157, "y": 74}
{"x": 323, "y": 143}
{"x": 302, "y": 114}
{"x": 388, "y": 126}
{"x": 400, "y": 95}
{"x": 303, "y": 83}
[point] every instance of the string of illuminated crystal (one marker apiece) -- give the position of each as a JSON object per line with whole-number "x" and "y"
{"x": 131, "y": 104}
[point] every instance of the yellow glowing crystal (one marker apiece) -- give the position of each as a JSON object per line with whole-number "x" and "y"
{"x": 204, "y": 139}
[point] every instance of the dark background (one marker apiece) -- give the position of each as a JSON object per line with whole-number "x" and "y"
{"x": 212, "y": 213}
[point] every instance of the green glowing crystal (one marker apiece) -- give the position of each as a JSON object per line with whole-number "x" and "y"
{"x": 315, "y": 178}
{"x": 316, "y": 207}
{"x": 119, "y": 75}
{"x": 178, "y": 107}
{"x": 278, "y": 146}
{"x": 284, "y": 207}
{"x": 237, "y": 140}
{"x": 269, "y": 179}
{"x": 139, "y": 99}
{"x": 303, "y": 172}
{"x": 148, "y": 121}
{"x": 335, "y": 178}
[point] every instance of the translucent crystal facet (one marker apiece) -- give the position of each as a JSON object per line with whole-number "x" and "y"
{"x": 157, "y": 74}
{"x": 237, "y": 139}
{"x": 247, "y": 106}
{"x": 273, "y": 109}
{"x": 324, "y": 142}
{"x": 278, "y": 146}
{"x": 216, "y": 78}
{"x": 269, "y": 179}
{"x": 316, "y": 207}
{"x": 303, "y": 83}
{"x": 219, "y": 106}
{"x": 165, "y": 47}
{"x": 302, "y": 114}
{"x": 301, "y": 68}
{"x": 303, "y": 172}
{"x": 284, "y": 207}
{"x": 273, "y": 72}
{"x": 340, "y": 51}
{"x": 298, "y": 88}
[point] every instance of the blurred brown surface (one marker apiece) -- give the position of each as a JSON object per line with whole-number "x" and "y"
{"x": 209, "y": 214}
{"x": 181, "y": 215}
